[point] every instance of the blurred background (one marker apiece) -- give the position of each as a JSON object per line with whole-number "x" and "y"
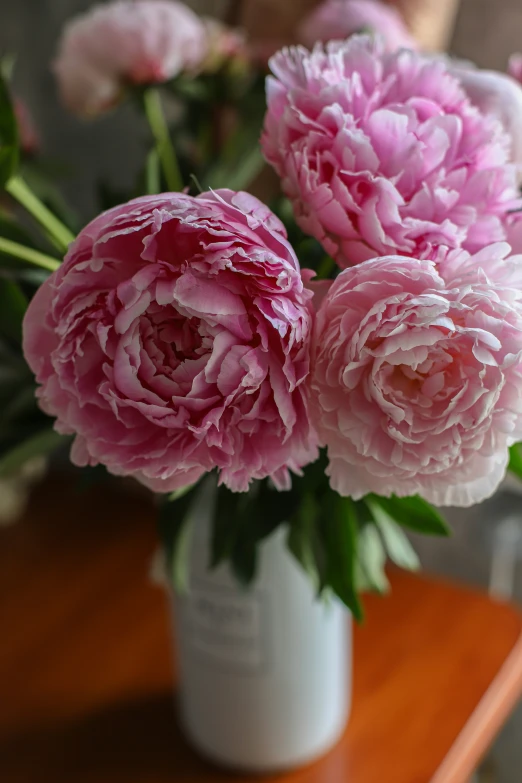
{"x": 485, "y": 31}
{"x": 486, "y": 547}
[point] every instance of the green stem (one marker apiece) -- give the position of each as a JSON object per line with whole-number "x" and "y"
{"x": 57, "y": 231}
{"x": 160, "y": 131}
{"x": 152, "y": 173}
{"x": 28, "y": 254}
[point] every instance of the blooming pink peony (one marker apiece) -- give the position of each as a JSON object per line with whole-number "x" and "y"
{"x": 175, "y": 339}
{"x": 126, "y": 42}
{"x": 416, "y": 385}
{"x": 383, "y": 153}
{"x": 337, "y": 19}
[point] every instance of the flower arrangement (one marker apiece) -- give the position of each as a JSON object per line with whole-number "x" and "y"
{"x": 339, "y": 358}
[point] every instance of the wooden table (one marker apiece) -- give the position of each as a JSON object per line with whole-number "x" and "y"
{"x": 85, "y": 670}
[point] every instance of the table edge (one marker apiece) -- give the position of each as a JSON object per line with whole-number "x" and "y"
{"x": 493, "y": 709}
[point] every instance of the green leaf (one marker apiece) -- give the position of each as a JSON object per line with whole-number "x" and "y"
{"x": 301, "y": 536}
{"x": 225, "y": 525}
{"x": 9, "y": 152}
{"x": 259, "y": 520}
{"x": 181, "y": 555}
{"x": 338, "y": 528}
{"x": 244, "y": 561}
{"x": 175, "y": 520}
{"x": 43, "y": 442}
{"x": 7, "y": 64}
{"x": 413, "y": 513}
{"x": 243, "y": 520}
{"x": 515, "y": 460}
{"x": 371, "y": 561}
{"x": 263, "y": 510}
{"x": 13, "y": 305}
{"x": 28, "y": 255}
{"x": 395, "y": 541}
{"x": 179, "y": 493}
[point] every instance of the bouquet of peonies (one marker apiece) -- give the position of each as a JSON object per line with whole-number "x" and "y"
{"x": 340, "y": 359}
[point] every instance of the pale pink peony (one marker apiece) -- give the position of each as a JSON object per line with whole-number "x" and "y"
{"x": 494, "y": 265}
{"x": 126, "y": 42}
{"x": 175, "y": 339}
{"x": 337, "y": 19}
{"x": 498, "y": 95}
{"x": 416, "y": 385}
{"x": 383, "y": 153}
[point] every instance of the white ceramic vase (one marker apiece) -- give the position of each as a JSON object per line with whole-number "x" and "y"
{"x": 265, "y": 673}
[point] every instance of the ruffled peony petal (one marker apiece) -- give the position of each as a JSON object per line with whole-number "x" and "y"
{"x": 417, "y": 375}
{"x": 174, "y": 339}
{"x": 383, "y": 152}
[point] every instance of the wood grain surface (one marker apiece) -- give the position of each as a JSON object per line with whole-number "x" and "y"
{"x": 85, "y": 664}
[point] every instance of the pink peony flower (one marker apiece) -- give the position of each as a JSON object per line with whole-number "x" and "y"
{"x": 383, "y": 153}
{"x": 337, "y": 19}
{"x": 175, "y": 339}
{"x": 416, "y": 385}
{"x": 126, "y": 42}
{"x": 497, "y": 95}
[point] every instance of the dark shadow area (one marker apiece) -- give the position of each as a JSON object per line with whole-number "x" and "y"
{"x": 132, "y": 742}
{"x": 136, "y": 741}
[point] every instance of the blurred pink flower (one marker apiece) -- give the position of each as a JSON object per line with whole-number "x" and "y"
{"x": 416, "y": 385}
{"x": 29, "y": 139}
{"x": 497, "y": 95}
{"x": 384, "y": 153}
{"x": 174, "y": 339}
{"x": 224, "y": 44}
{"x": 126, "y": 42}
{"x": 515, "y": 66}
{"x": 337, "y": 19}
